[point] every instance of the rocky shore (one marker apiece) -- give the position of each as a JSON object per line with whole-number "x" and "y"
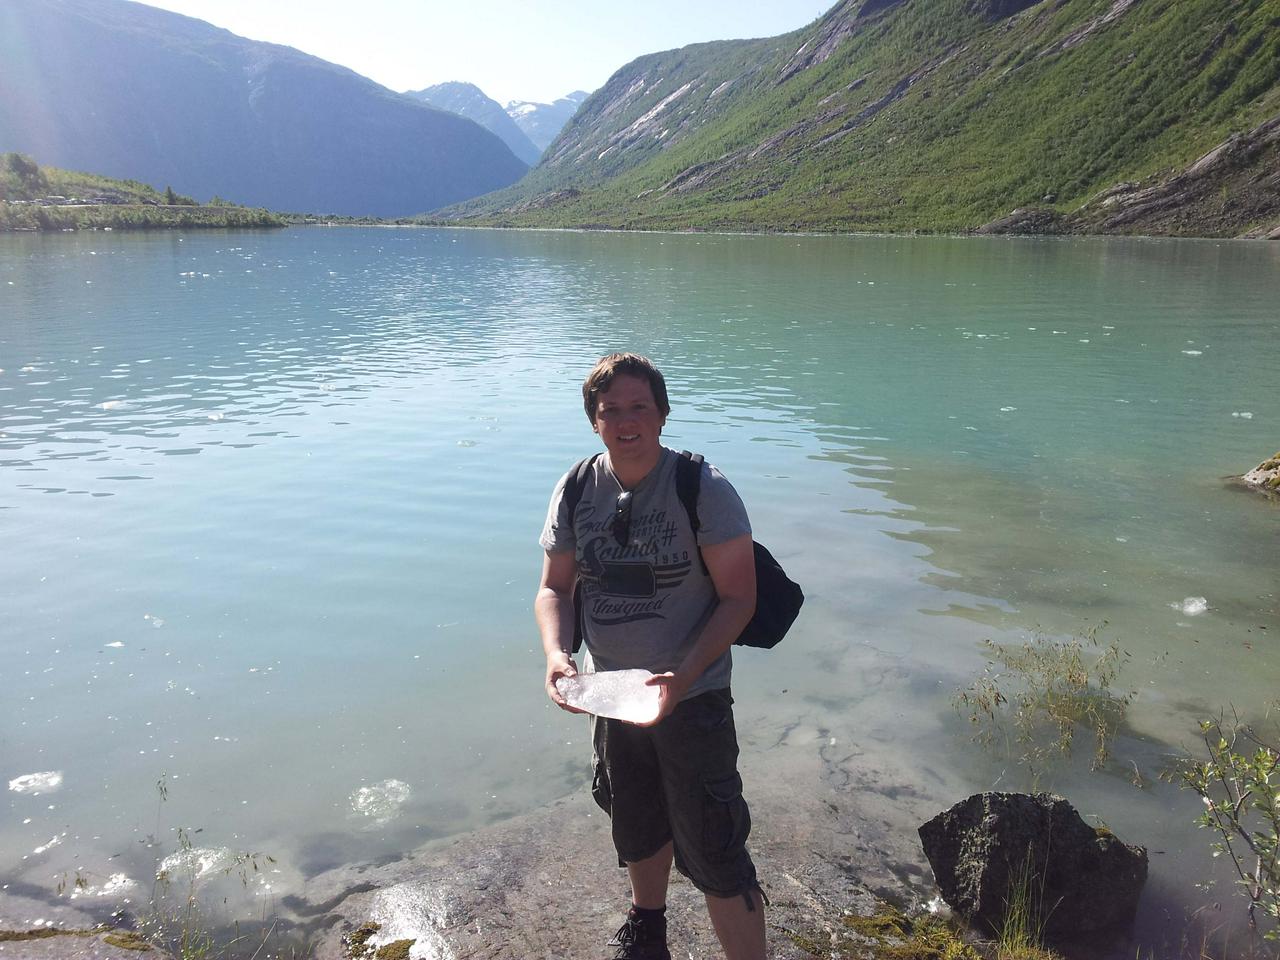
{"x": 1265, "y": 477}
{"x": 546, "y": 884}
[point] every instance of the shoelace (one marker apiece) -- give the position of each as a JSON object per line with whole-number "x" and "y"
{"x": 627, "y": 934}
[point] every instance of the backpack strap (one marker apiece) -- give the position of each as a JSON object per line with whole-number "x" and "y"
{"x": 576, "y": 481}
{"x": 573, "y": 485}
{"x": 688, "y": 485}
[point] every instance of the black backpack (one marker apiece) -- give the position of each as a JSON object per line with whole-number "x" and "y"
{"x": 778, "y": 597}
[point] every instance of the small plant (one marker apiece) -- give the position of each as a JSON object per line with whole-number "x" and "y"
{"x": 1239, "y": 784}
{"x": 1021, "y": 932}
{"x": 1047, "y": 689}
{"x": 183, "y": 927}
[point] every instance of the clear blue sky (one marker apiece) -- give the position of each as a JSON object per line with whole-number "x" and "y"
{"x": 512, "y": 49}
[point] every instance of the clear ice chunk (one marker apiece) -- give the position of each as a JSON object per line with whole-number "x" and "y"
{"x": 619, "y": 694}
{"x": 37, "y": 783}
{"x": 382, "y": 801}
{"x": 1191, "y": 606}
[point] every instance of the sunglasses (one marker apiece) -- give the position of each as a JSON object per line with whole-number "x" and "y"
{"x": 621, "y": 525}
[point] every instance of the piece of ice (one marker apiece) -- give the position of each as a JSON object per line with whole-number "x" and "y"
{"x": 114, "y": 885}
{"x": 115, "y": 643}
{"x": 37, "y": 783}
{"x": 1191, "y": 606}
{"x": 1193, "y": 353}
{"x": 620, "y": 694}
{"x": 53, "y": 842}
{"x": 382, "y": 801}
{"x": 196, "y": 863}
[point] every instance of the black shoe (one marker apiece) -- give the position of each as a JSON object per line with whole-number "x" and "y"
{"x": 641, "y": 940}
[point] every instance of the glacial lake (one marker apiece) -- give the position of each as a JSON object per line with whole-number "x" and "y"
{"x": 269, "y": 506}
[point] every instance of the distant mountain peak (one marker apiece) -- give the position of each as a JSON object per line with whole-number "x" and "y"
{"x": 542, "y": 122}
{"x": 468, "y": 100}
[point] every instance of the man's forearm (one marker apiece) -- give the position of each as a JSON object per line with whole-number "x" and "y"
{"x": 554, "y": 612}
{"x": 726, "y": 624}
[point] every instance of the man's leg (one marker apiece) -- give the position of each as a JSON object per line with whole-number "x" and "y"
{"x": 649, "y": 879}
{"x": 741, "y": 931}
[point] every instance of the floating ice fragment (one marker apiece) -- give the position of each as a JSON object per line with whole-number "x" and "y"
{"x": 196, "y": 862}
{"x": 1242, "y": 414}
{"x": 115, "y": 643}
{"x": 53, "y": 842}
{"x": 37, "y": 783}
{"x": 156, "y": 622}
{"x": 1193, "y": 353}
{"x": 382, "y": 801}
{"x": 115, "y": 884}
{"x": 620, "y": 694}
{"x": 1008, "y": 409}
{"x": 1192, "y": 606}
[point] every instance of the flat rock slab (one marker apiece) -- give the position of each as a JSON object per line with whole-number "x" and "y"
{"x": 547, "y": 884}
{"x": 66, "y": 933}
{"x": 73, "y": 945}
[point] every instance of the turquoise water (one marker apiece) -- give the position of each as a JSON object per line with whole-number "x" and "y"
{"x": 270, "y": 504}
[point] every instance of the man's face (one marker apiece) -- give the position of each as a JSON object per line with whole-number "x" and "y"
{"x": 628, "y": 419}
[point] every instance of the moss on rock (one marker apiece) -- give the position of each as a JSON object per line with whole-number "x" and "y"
{"x": 889, "y": 934}
{"x": 395, "y": 950}
{"x": 357, "y": 941}
{"x": 40, "y": 933}
{"x": 127, "y": 940}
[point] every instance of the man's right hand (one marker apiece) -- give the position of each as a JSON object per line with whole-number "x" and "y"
{"x": 560, "y": 664}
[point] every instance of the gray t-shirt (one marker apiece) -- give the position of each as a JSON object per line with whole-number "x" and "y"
{"x": 646, "y": 603}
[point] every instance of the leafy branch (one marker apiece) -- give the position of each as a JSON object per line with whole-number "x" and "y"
{"x": 1239, "y": 785}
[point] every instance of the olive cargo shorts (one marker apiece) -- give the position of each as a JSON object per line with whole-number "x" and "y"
{"x": 678, "y": 781}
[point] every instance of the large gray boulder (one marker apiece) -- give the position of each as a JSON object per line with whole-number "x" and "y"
{"x": 1084, "y": 879}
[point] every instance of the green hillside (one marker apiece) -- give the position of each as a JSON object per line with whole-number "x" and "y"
{"x": 934, "y": 115}
{"x": 35, "y": 197}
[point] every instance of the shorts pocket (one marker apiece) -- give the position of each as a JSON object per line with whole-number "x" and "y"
{"x": 725, "y": 819}
{"x": 600, "y": 791}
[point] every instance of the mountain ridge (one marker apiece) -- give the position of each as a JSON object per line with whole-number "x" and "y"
{"x": 134, "y": 91}
{"x": 905, "y": 115}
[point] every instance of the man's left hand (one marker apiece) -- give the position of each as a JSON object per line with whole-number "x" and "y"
{"x": 671, "y": 690}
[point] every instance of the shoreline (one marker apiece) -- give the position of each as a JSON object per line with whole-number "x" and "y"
{"x": 546, "y": 883}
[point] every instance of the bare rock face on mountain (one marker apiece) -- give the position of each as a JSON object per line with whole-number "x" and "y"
{"x": 1238, "y": 180}
{"x": 999, "y": 9}
{"x": 1027, "y": 221}
{"x": 1078, "y": 879}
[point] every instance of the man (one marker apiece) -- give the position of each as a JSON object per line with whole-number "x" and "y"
{"x": 671, "y": 788}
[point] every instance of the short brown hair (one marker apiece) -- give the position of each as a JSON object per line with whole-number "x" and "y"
{"x": 631, "y": 364}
